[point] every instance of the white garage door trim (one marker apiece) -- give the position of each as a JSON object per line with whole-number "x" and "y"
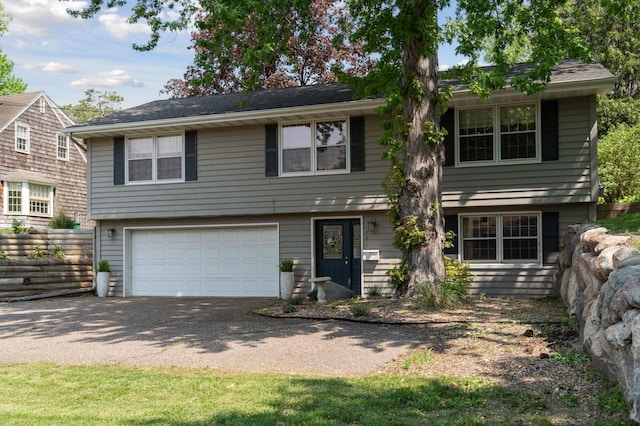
{"x": 228, "y": 278}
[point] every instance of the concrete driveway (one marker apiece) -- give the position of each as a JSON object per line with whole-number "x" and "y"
{"x": 193, "y": 332}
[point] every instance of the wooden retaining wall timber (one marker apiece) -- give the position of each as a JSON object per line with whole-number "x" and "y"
{"x": 606, "y": 211}
{"x": 21, "y": 276}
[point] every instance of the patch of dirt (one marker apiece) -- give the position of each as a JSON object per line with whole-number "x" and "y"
{"x": 526, "y": 344}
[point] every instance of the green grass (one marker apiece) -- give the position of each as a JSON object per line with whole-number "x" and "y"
{"x": 626, "y": 223}
{"x": 35, "y": 394}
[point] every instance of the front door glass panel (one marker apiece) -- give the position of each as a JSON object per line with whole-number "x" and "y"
{"x": 332, "y": 241}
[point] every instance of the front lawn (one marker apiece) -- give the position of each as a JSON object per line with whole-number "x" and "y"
{"x": 35, "y": 394}
{"x": 629, "y": 222}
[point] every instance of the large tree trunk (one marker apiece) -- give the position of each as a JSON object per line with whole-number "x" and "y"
{"x": 421, "y": 196}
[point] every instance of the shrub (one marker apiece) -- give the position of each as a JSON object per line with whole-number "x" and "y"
{"x": 454, "y": 291}
{"x": 360, "y": 309}
{"x": 3, "y": 255}
{"x": 18, "y": 227}
{"x": 61, "y": 221}
{"x": 619, "y": 168}
{"x": 374, "y": 291}
{"x": 58, "y": 253}
{"x": 37, "y": 252}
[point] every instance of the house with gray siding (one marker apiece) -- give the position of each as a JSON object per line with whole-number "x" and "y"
{"x": 43, "y": 170}
{"x": 205, "y": 196}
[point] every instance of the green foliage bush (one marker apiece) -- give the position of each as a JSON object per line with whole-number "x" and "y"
{"x": 58, "y": 253}
{"x": 360, "y": 309}
{"x": 454, "y": 291}
{"x": 619, "y": 164}
{"x": 37, "y": 252}
{"x": 18, "y": 227}
{"x": 374, "y": 291}
{"x": 613, "y": 112}
{"x": 61, "y": 221}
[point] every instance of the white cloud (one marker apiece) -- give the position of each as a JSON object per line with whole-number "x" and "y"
{"x": 118, "y": 26}
{"x": 57, "y": 67}
{"x": 37, "y": 17}
{"x": 114, "y": 78}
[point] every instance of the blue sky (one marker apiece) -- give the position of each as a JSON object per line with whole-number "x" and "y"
{"x": 64, "y": 56}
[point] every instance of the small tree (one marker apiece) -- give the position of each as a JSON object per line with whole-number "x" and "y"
{"x": 95, "y": 104}
{"x": 9, "y": 83}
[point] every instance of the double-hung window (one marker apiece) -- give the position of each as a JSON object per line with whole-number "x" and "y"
{"x": 63, "y": 147}
{"x": 155, "y": 158}
{"x": 14, "y": 197}
{"x": 28, "y": 198}
{"x": 499, "y": 134}
{"x": 501, "y": 238}
{"x": 22, "y": 138}
{"x": 39, "y": 200}
{"x": 314, "y": 147}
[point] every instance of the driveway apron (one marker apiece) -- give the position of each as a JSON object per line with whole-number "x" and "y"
{"x": 220, "y": 333}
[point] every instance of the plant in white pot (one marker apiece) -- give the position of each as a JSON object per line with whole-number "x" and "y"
{"x": 286, "y": 278}
{"x": 102, "y": 279}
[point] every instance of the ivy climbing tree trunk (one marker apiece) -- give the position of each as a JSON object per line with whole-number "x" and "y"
{"x": 419, "y": 200}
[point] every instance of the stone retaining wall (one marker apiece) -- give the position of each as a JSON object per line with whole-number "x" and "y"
{"x": 599, "y": 276}
{"x": 21, "y": 276}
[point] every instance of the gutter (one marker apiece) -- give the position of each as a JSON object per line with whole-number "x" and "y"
{"x": 226, "y": 118}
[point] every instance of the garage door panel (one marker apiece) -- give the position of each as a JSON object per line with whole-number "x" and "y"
{"x": 239, "y": 261}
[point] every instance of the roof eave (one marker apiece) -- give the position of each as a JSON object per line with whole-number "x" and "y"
{"x": 226, "y": 118}
{"x": 552, "y": 90}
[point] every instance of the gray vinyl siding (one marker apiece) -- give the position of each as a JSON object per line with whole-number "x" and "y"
{"x": 523, "y": 280}
{"x": 232, "y": 189}
{"x": 295, "y": 242}
{"x": 569, "y": 179}
{"x": 231, "y": 181}
{"x": 231, "y": 178}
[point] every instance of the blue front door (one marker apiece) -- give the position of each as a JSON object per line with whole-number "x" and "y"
{"x": 338, "y": 252}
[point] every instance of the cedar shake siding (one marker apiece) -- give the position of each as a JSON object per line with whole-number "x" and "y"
{"x": 68, "y": 176}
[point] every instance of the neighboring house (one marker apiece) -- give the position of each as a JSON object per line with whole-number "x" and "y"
{"x": 43, "y": 170}
{"x": 204, "y": 196}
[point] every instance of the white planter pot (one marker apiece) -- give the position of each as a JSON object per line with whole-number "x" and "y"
{"x": 102, "y": 283}
{"x": 286, "y": 285}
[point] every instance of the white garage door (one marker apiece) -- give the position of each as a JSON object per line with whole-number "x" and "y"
{"x": 234, "y": 261}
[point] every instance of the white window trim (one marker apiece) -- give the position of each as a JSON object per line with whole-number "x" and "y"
{"x": 496, "y": 136}
{"x": 154, "y": 159}
{"x": 499, "y": 238}
{"x": 28, "y": 149}
{"x": 314, "y": 150}
{"x": 65, "y": 158}
{"x": 25, "y": 196}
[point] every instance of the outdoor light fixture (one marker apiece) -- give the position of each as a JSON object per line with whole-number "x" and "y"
{"x": 371, "y": 225}
{"x": 111, "y": 232}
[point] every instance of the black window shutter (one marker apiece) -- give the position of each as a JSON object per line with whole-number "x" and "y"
{"x": 271, "y": 150}
{"x": 356, "y": 126}
{"x": 190, "y": 155}
{"x": 549, "y": 116}
{"x": 550, "y": 237}
{"x": 451, "y": 224}
{"x": 118, "y": 160}
{"x": 447, "y": 121}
